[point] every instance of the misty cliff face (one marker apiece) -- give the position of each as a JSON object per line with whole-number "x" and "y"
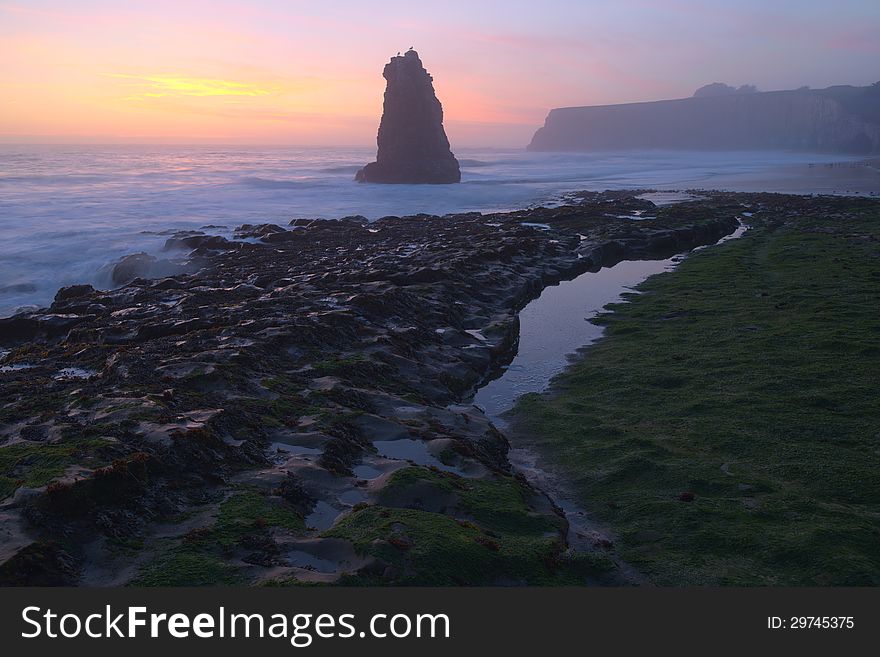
{"x": 779, "y": 120}
{"x": 413, "y": 147}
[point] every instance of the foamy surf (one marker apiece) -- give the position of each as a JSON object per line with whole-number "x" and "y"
{"x": 66, "y": 212}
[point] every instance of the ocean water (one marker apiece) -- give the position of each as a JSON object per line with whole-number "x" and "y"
{"x": 66, "y": 212}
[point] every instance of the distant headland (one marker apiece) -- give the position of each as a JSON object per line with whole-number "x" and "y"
{"x": 842, "y": 119}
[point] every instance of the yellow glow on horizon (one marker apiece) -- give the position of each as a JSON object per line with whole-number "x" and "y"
{"x": 196, "y": 80}
{"x": 160, "y": 86}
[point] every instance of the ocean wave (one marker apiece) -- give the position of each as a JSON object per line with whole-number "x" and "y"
{"x": 59, "y": 179}
{"x": 348, "y": 168}
{"x": 65, "y": 212}
{"x": 475, "y": 164}
{"x": 273, "y": 183}
{"x": 537, "y": 180}
{"x": 18, "y": 288}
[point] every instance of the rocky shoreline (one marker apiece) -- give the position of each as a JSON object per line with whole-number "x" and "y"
{"x": 294, "y": 405}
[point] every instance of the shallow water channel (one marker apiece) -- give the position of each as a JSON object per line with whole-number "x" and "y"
{"x": 553, "y": 328}
{"x": 557, "y": 324}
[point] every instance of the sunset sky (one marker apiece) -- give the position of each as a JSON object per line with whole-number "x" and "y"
{"x": 263, "y": 71}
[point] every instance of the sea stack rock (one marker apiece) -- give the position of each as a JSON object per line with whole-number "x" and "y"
{"x": 413, "y": 147}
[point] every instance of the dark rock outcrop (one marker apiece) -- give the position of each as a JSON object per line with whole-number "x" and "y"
{"x": 413, "y": 147}
{"x": 74, "y": 292}
{"x": 722, "y": 118}
{"x": 281, "y": 368}
{"x": 143, "y": 265}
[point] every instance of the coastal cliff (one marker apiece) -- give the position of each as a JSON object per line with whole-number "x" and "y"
{"x": 780, "y": 120}
{"x": 412, "y": 144}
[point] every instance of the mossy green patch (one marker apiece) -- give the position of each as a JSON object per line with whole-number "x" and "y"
{"x": 360, "y": 370}
{"x": 35, "y": 464}
{"x": 244, "y": 511}
{"x": 491, "y": 537}
{"x": 344, "y": 365}
{"x": 727, "y": 427}
{"x": 207, "y": 555}
{"x": 29, "y": 399}
{"x": 183, "y": 568}
{"x": 498, "y": 503}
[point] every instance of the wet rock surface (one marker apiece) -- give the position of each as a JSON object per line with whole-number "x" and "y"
{"x": 297, "y": 409}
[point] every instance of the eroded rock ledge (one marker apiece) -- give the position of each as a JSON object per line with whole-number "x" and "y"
{"x": 297, "y": 409}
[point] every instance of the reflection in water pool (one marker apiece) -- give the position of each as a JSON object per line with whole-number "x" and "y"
{"x": 353, "y": 496}
{"x": 407, "y": 449}
{"x": 366, "y": 472}
{"x": 310, "y": 561}
{"x": 323, "y": 516}
{"x": 555, "y": 325}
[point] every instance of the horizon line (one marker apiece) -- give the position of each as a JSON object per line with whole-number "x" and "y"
{"x": 232, "y": 144}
